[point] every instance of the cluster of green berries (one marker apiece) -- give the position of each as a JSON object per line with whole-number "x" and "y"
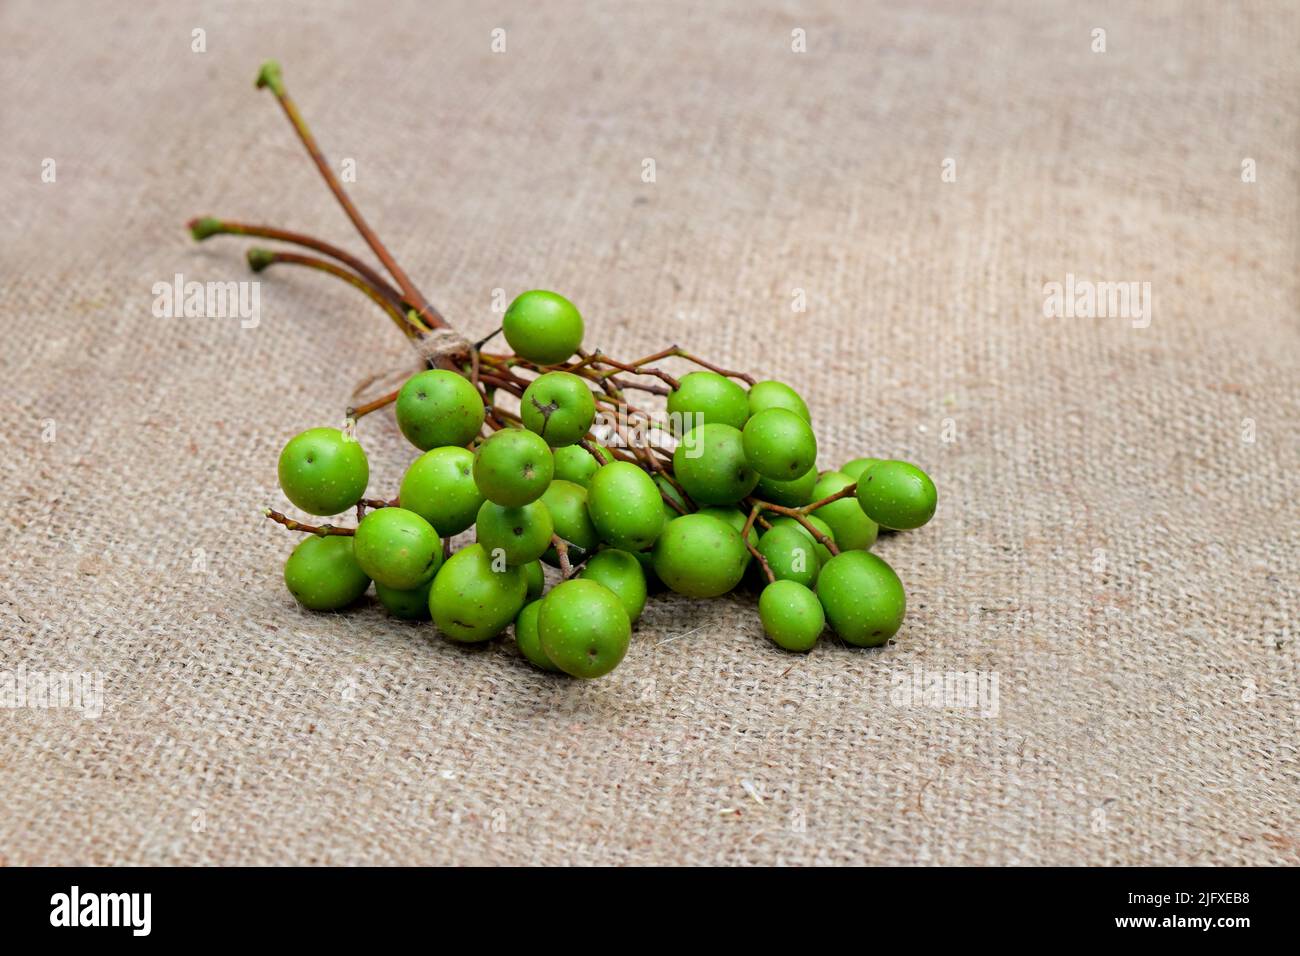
{"x": 630, "y": 529}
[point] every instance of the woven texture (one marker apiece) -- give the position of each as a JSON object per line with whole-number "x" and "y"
{"x": 1116, "y": 541}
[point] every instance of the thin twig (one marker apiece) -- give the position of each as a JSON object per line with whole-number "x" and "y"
{"x": 271, "y": 78}
{"x": 323, "y": 530}
{"x": 204, "y": 227}
{"x": 259, "y": 259}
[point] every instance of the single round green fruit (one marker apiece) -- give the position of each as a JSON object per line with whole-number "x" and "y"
{"x": 700, "y": 556}
{"x": 513, "y": 467}
{"x": 439, "y": 407}
{"x": 792, "y": 615}
{"x": 710, "y": 464}
{"x": 621, "y": 572}
{"x": 857, "y": 466}
{"x": 625, "y": 506}
{"x": 543, "y": 327}
{"x": 529, "y": 640}
{"x": 779, "y": 444}
{"x": 823, "y": 553}
{"x": 897, "y": 495}
{"x": 397, "y": 548}
{"x": 323, "y": 575}
{"x": 574, "y": 463}
{"x": 406, "y": 605}
{"x": 558, "y": 406}
{"x": 583, "y": 627}
{"x": 519, "y": 535}
{"x": 702, "y": 398}
{"x": 792, "y": 494}
{"x": 862, "y": 597}
{"x": 323, "y": 471}
{"x": 439, "y": 487}
{"x": 770, "y": 394}
{"x": 791, "y": 556}
{"x": 535, "y": 578}
{"x": 567, "y": 504}
{"x": 854, "y": 531}
{"x": 474, "y": 599}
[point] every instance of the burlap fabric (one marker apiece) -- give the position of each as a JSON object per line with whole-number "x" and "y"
{"x": 1116, "y": 541}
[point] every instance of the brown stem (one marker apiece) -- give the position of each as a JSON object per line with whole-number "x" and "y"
{"x": 270, "y": 77}
{"x": 800, "y": 514}
{"x": 744, "y": 535}
{"x": 207, "y": 226}
{"x": 259, "y": 259}
{"x": 743, "y": 376}
{"x": 323, "y": 530}
{"x": 636, "y": 369}
{"x": 844, "y": 492}
{"x": 358, "y": 411}
{"x": 562, "y": 552}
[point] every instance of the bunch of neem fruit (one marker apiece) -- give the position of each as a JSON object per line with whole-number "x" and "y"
{"x": 541, "y": 490}
{"x": 737, "y": 496}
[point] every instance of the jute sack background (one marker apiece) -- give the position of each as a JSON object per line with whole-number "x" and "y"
{"x": 1116, "y": 540}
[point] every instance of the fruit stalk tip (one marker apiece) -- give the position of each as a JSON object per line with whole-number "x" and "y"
{"x": 271, "y": 77}
{"x": 259, "y": 259}
{"x": 203, "y": 227}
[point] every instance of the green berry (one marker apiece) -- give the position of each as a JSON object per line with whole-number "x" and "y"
{"x": 529, "y": 641}
{"x": 438, "y": 407}
{"x": 765, "y": 395}
{"x": 854, "y": 531}
{"x": 474, "y": 598}
{"x": 625, "y": 506}
{"x": 710, "y": 465}
{"x": 513, "y": 467}
{"x": 567, "y": 504}
{"x": 705, "y": 397}
{"x": 700, "y": 556}
{"x": 535, "y": 578}
{"x": 823, "y": 553}
{"x": 323, "y": 574}
{"x": 323, "y": 471}
{"x": 519, "y": 535}
{"x": 792, "y": 494}
{"x": 857, "y": 466}
{"x": 621, "y": 572}
{"x": 439, "y": 487}
{"x": 583, "y": 627}
{"x": 406, "y": 605}
{"x": 792, "y": 615}
{"x": 558, "y": 406}
{"x": 897, "y": 495}
{"x": 863, "y": 598}
{"x": 543, "y": 327}
{"x": 397, "y": 548}
{"x": 791, "y": 555}
{"x": 574, "y": 463}
{"x": 779, "y": 444}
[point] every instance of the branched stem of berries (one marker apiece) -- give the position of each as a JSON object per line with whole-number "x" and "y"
{"x": 575, "y": 465}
